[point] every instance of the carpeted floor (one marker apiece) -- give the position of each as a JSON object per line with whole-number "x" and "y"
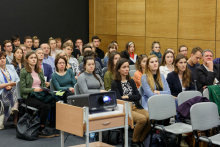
{"x": 8, "y": 139}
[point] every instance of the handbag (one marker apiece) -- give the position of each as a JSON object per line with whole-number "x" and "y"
{"x": 2, "y": 116}
{"x": 27, "y": 126}
{"x": 111, "y": 137}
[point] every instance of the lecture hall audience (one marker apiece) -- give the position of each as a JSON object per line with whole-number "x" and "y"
{"x": 59, "y": 43}
{"x": 183, "y": 50}
{"x": 36, "y": 43}
{"x": 155, "y": 50}
{"x": 130, "y": 47}
{"x": 111, "y": 47}
{"x": 28, "y": 43}
{"x": 96, "y": 41}
{"x": 53, "y": 45}
{"x": 15, "y": 39}
{"x": 47, "y": 58}
{"x": 68, "y": 48}
{"x": 7, "y": 45}
{"x": 18, "y": 60}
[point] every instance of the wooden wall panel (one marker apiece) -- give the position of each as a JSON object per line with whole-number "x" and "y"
{"x": 106, "y": 40}
{"x": 218, "y": 21}
{"x": 91, "y": 16}
{"x": 193, "y": 43}
{"x": 131, "y": 17}
{"x": 138, "y": 41}
{"x": 217, "y": 54}
{"x": 105, "y": 17}
{"x": 161, "y": 18}
{"x": 164, "y": 43}
{"x": 197, "y": 19}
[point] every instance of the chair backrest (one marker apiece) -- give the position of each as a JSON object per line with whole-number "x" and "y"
{"x": 104, "y": 70}
{"x": 76, "y": 89}
{"x": 132, "y": 67}
{"x": 18, "y": 90}
{"x": 204, "y": 116}
{"x": 52, "y": 88}
{"x": 102, "y": 61}
{"x": 161, "y": 107}
{"x": 141, "y": 91}
{"x": 131, "y": 73}
{"x": 206, "y": 93}
{"x": 186, "y": 95}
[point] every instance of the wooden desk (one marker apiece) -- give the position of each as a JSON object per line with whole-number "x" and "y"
{"x": 75, "y": 120}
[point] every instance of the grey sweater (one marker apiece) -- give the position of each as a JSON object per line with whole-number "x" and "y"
{"x": 89, "y": 84}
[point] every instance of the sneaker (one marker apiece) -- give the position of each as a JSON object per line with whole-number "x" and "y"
{"x": 45, "y": 133}
{"x": 134, "y": 144}
{"x": 56, "y": 132}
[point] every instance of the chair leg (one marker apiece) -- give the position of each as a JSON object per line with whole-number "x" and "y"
{"x": 165, "y": 137}
{"x": 196, "y": 143}
{"x": 179, "y": 139}
{"x": 122, "y": 138}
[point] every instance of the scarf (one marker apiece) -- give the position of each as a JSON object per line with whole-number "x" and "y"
{"x": 6, "y": 74}
{"x": 159, "y": 55}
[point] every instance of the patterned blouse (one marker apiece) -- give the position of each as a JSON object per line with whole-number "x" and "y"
{"x": 75, "y": 68}
{"x": 17, "y": 68}
{"x": 127, "y": 89}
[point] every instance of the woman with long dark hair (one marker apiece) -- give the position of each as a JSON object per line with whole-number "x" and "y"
{"x": 18, "y": 60}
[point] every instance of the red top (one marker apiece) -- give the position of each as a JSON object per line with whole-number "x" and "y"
{"x": 131, "y": 55}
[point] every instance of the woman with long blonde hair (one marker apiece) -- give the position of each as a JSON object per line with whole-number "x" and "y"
{"x": 153, "y": 82}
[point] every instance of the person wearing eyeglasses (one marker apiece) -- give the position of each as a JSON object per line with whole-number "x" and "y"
{"x": 8, "y": 50}
{"x": 183, "y": 50}
{"x": 155, "y": 50}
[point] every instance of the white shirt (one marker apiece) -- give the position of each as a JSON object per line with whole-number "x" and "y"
{"x": 215, "y": 81}
{"x": 164, "y": 70}
{"x": 183, "y": 88}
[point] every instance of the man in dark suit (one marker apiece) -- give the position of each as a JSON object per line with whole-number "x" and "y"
{"x": 47, "y": 69}
{"x": 207, "y": 73}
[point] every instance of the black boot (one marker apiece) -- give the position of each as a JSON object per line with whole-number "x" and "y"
{"x": 141, "y": 144}
{"x": 135, "y": 144}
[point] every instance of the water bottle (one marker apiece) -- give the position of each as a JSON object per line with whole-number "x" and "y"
{"x": 92, "y": 137}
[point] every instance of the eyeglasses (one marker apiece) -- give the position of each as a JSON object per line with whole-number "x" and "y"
{"x": 183, "y": 50}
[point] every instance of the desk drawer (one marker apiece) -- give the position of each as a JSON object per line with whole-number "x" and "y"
{"x": 106, "y": 123}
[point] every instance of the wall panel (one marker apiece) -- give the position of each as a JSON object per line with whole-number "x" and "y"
{"x": 105, "y": 17}
{"x": 138, "y": 41}
{"x": 161, "y": 18}
{"x": 218, "y": 21}
{"x": 91, "y": 16}
{"x": 197, "y": 19}
{"x": 217, "y": 53}
{"x": 164, "y": 43}
{"x": 131, "y": 17}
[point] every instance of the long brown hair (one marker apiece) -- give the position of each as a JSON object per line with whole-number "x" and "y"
{"x": 149, "y": 75}
{"x": 94, "y": 74}
{"x": 117, "y": 75}
{"x": 14, "y": 59}
{"x": 138, "y": 62}
{"x": 128, "y": 44}
{"x": 37, "y": 69}
{"x": 111, "y": 66}
{"x": 111, "y": 45}
{"x": 163, "y": 63}
{"x": 186, "y": 74}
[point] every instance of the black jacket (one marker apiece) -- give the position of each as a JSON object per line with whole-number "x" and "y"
{"x": 100, "y": 53}
{"x": 206, "y": 78}
{"x": 175, "y": 85}
{"x": 76, "y": 53}
{"x": 135, "y": 97}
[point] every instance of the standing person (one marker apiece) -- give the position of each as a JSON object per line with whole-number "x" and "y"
{"x": 8, "y": 80}
{"x": 130, "y": 47}
{"x": 28, "y": 43}
{"x": 59, "y": 43}
{"x": 193, "y": 61}
{"x": 63, "y": 78}
{"x": 8, "y": 50}
{"x": 36, "y": 43}
{"x": 18, "y": 60}
{"x": 15, "y": 39}
{"x": 23, "y": 47}
{"x": 53, "y": 45}
{"x": 167, "y": 63}
{"x": 68, "y": 48}
{"x": 155, "y": 50}
{"x": 111, "y": 47}
{"x": 126, "y": 90}
{"x": 140, "y": 66}
{"x": 181, "y": 78}
{"x": 48, "y": 59}
{"x": 88, "y": 81}
{"x": 32, "y": 78}
{"x": 47, "y": 69}
{"x": 109, "y": 75}
{"x": 153, "y": 82}
{"x": 79, "y": 45}
{"x": 183, "y": 50}
{"x": 96, "y": 41}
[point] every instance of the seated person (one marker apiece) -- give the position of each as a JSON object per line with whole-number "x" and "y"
{"x": 18, "y": 60}
{"x": 47, "y": 69}
{"x": 63, "y": 78}
{"x": 111, "y": 47}
{"x": 53, "y": 46}
{"x": 48, "y": 59}
{"x": 8, "y": 79}
{"x": 153, "y": 82}
{"x": 98, "y": 68}
{"x": 207, "y": 73}
{"x": 23, "y": 47}
{"x": 181, "y": 78}
{"x": 32, "y": 78}
{"x": 85, "y": 48}
{"x": 126, "y": 90}
{"x": 88, "y": 81}
{"x": 156, "y": 50}
{"x": 170, "y": 49}
{"x": 73, "y": 66}
{"x": 140, "y": 66}
{"x": 167, "y": 63}
{"x": 68, "y": 48}
{"x": 108, "y": 78}
{"x": 130, "y": 47}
